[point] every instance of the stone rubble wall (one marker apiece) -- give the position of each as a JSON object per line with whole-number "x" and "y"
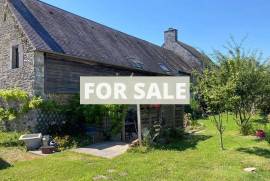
{"x": 22, "y": 77}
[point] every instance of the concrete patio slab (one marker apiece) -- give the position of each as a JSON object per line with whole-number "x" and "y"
{"x": 105, "y": 149}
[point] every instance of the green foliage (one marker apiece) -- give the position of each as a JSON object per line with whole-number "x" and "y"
{"x": 15, "y": 102}
{"x": 239, "y": 84}
{"x": 80, "y": 116}
{"x": 68, "y": 142}
{"x": 92, "y": 114}
{"x": 196, "y": 157}
{"x": 10, "y": 139}
{"x": 117, "y": 115}
{"x": 14, "y": 95}
{"x": 267, "y": 134}
{"x": 50, "y": 106}
{"x": 195, "y": 109}
{"x": 217, "y": 94}
{"x": 163, "y": 137}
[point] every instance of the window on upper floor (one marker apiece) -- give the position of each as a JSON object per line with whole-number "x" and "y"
{"x": 5, "y": 17}
{"x": 15, "y": 57}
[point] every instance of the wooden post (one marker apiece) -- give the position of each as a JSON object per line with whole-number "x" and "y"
{"x": 124, "y": 130}
{"x": 139, "y": 124}
{"x": 174, "y": 117}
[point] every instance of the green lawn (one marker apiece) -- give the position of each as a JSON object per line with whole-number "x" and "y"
{"x": 195, "y": 158}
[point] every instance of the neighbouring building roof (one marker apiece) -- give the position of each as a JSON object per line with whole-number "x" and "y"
{"x": 54, "y": 30}
{"x": 203, "y": 58}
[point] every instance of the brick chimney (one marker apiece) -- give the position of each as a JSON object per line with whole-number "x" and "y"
{"x": 170, "y": 36}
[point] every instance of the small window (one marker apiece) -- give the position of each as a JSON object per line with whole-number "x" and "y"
{"x": 5, "y": 17}
{"x": 138, "y": 64}
{"x": 164, "y": 68}
{"x": 15, "y": 57}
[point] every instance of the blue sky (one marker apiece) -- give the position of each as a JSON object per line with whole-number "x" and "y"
{"x": 204, "y": 24}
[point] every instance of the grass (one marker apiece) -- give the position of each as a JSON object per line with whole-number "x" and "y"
{"x": 195, "y": 158}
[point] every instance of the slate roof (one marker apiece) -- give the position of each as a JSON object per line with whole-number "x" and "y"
{"x": 203, "y": 60}
{"x": 54, "y": 30}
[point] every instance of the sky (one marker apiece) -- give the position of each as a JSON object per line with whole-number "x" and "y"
{"x": 205, "y": 24}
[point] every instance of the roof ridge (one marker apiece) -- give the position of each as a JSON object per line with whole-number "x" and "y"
{"x": 87, "y": 19}
{"x": 93, "y": 40}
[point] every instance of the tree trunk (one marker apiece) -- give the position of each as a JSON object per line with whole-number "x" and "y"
{"x": 221, "y": 141}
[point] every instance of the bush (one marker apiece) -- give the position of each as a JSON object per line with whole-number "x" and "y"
{"x": 14, "y": 103}
{"x": 10, "y": 139}
{"x": 247, "y": 129}
{"x": 164, "y": 136}
{"x": 194, "y": 109}
{"x": 267, "y": 133}
{"x": 68, "y": 142}
{"x": 70, "y": 118}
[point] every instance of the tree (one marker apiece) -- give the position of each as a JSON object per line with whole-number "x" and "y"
{"x": 217, "y": 94}
{"x": 250, "y": 79}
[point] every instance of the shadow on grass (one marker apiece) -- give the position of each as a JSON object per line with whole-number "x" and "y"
{"x": 256, "y": 151}
{"x": 187, "y": 142}
{"x": 3, "y": 164}
{"x": 261, "y": 121}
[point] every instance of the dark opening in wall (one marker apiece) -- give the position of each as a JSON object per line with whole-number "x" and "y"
{"x": 5, "y": 17}
{"x": 15, "y": 57}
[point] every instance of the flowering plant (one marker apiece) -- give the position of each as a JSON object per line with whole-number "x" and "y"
{"x": 260, "y": 134}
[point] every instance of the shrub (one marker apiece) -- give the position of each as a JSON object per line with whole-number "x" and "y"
{"x": 195, "y": 109}
{"x": 164, "y": 136}
{"x": 10, "y": 139}
{"x": 68, "y": 142}
{"x": 117, "y": 115}
{"x": 246, "y": 129}
{"x": 267, "y": 133}
{"x": 16, "y": 102}
{"x": 71, "y": 117}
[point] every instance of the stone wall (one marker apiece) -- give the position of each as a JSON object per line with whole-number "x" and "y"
{"x": 10, "y": 32}
{"x": 29, "y": 76}
{"x": 25, "y": 123}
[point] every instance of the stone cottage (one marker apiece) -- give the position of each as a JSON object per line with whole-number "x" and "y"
{"x": 44, "y": 50}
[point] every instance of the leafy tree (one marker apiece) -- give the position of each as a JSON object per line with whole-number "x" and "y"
{"x": 250, "y": 79}
{"x": 218, "y": 95}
